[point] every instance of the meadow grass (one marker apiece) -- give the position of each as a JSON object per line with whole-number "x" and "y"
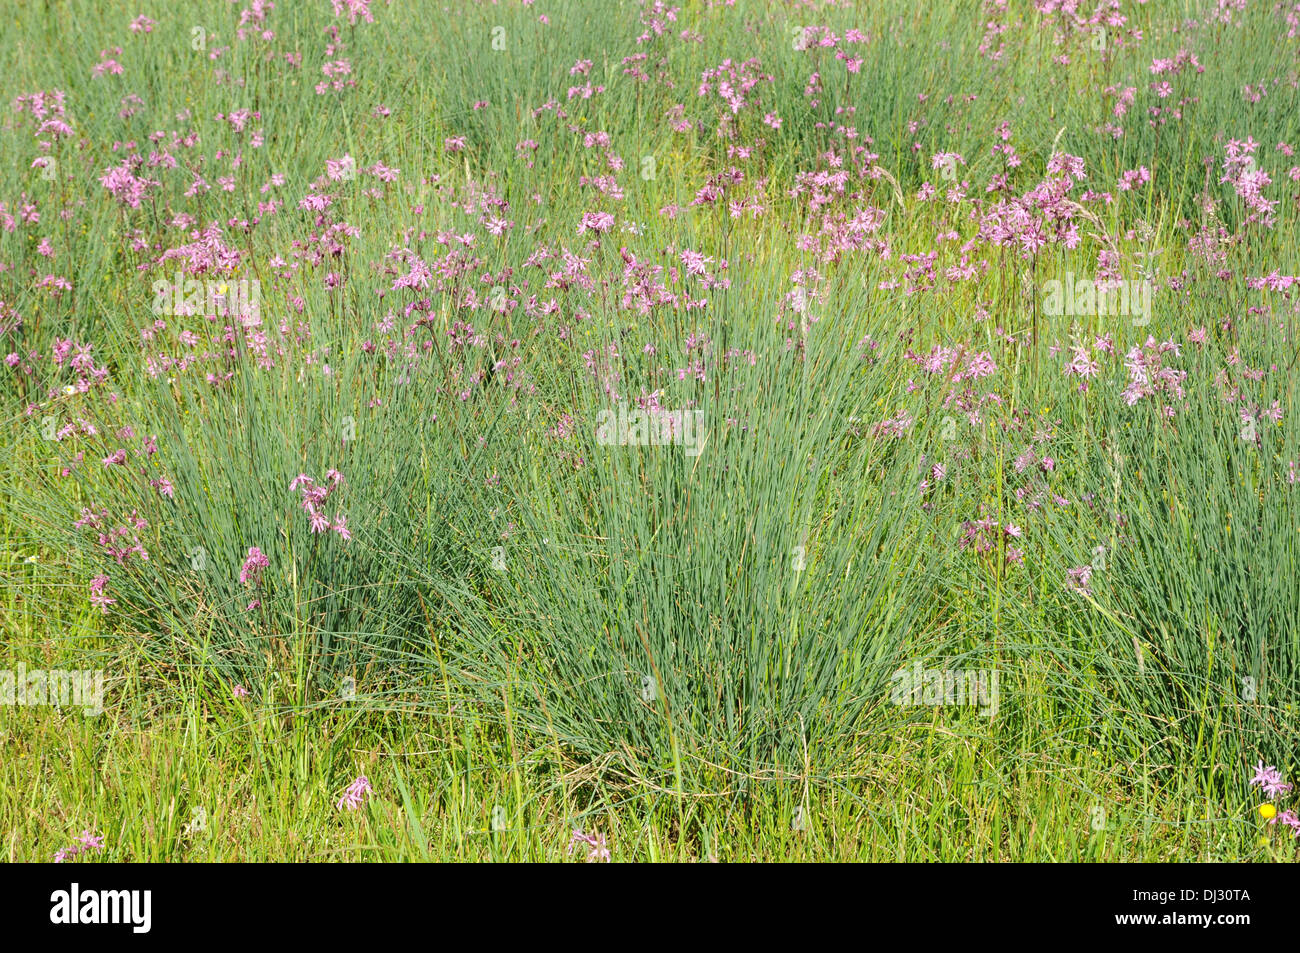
{"x": 375, "y": 530}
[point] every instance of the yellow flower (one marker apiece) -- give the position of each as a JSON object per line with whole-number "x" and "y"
{"x": 1267, "y": 811}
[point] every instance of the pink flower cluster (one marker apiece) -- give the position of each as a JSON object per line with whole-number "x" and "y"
{"x": 88, "y": 841}
{"x": 98, "y": 597}
{"x": 251, "y": 572}
{"x": 355, "y": 794}
{"x": 1248, "y": 180}
{"x": 982, "y": 536}
{"x": 314, "y": 496}
{"x": 1149, "y": 377}
{"x": 1269, "y": 780}
{"x": 1077, "y": 580}
{"x": 595, "y": 843}
{"x": 114, "y": 541}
